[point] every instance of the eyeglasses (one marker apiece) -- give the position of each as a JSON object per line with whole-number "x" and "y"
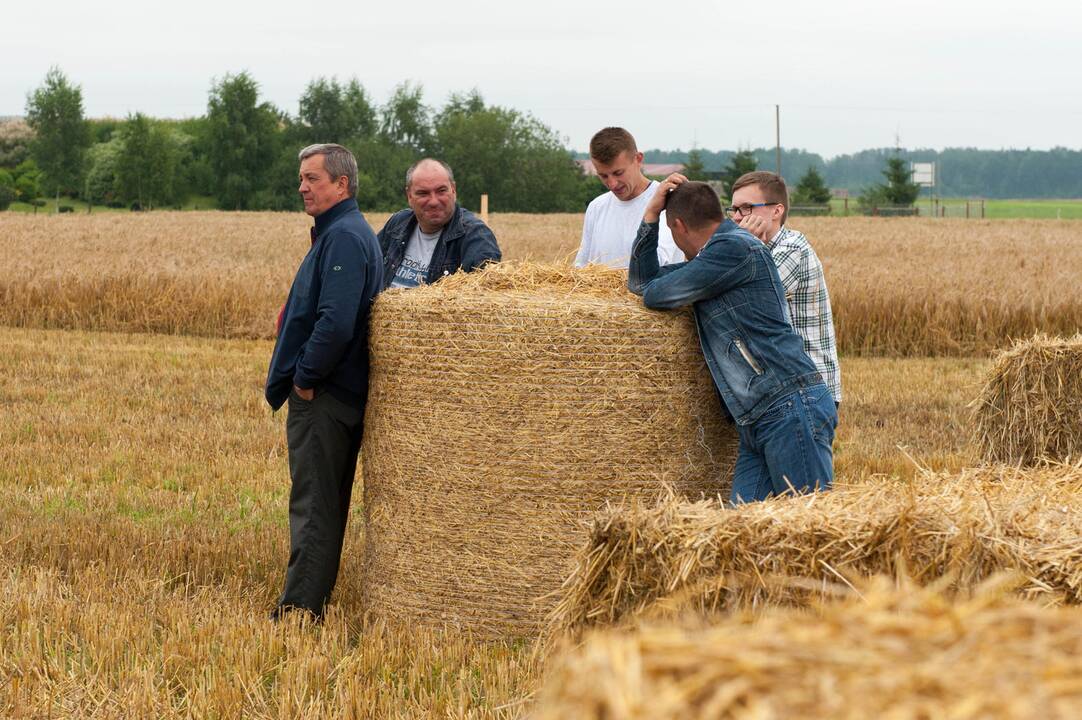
{"x": 745, "y": 209}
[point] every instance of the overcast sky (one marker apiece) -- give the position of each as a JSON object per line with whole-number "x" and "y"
{"x": 847, "y": 75}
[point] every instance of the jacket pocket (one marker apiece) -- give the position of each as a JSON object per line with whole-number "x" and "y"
{"x": 748, "y": 357}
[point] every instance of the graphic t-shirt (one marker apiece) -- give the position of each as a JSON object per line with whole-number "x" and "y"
{"x": 414, "y": 267}
{"x": 610, "y": 227}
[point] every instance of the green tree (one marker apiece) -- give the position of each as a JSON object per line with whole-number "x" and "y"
{"x": 482, "y": 142}
{"x": 100, "y": 186}
{"x": 241, "y": 141}
{"x": 740, "y": 163}
{"x": 336, "y": 114}
{"x": 146, "y": 167}
{"x": 27, "y": 180}
{"x": 899, "y": 188}
{"x": 7, "y": 189}
{"x": 55, "y": 112}
{"x": 694, "y": 168}
{"x": 811, "y": 190}
{"x": 406, "y": 121}
{"x": 381, "y": 174}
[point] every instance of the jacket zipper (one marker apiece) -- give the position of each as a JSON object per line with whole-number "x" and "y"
{"x": 747, "y": 356}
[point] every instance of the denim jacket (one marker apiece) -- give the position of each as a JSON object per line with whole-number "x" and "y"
{"x": 465, "y": 242}
{"x": 753, "y": 353}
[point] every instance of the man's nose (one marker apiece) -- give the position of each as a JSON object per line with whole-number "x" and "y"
{"x": 610, "y": 183}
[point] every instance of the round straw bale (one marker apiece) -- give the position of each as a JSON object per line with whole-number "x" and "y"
{"x": 506, "y": 405}
{"x": 1030, "y": 408}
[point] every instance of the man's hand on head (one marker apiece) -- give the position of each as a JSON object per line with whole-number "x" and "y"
{"x": 657, "y": 202}
{"x": 757, "y": 226}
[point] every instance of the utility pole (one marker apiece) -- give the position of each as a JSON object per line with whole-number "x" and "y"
{"x": 777, "y": 139}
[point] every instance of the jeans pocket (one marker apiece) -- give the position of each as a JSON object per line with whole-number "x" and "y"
{"x": 778, "y": 410}
{"x": 822, "y": 413}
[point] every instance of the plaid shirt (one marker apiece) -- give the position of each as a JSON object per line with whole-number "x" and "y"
{"x": 809, "y": 302}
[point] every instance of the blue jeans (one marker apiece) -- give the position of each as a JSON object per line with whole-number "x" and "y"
{"x": 789, "y": 445}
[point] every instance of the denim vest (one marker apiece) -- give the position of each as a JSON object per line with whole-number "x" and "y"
{"x": 748, "y": 341}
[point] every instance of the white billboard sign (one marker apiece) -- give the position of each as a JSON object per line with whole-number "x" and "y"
{"x": 924, "y": 174}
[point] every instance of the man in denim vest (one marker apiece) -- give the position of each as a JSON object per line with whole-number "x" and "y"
{"x": 320, "y": 364}
{"x": 784, "y": 412}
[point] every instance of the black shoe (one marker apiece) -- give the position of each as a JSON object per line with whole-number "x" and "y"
{"x": 280, "y": 611}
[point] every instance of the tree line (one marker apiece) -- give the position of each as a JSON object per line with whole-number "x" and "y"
{"x": 961, "y": 172}
{"x": 243, "y": 151}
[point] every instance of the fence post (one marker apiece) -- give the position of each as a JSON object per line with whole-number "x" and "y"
{"x": 846, "y": 199}
{"x": 967, "y": 209}
{"x": 484, "y": 208}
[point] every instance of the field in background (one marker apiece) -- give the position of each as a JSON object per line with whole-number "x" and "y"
{"x": 899, "y": 287}
{"x": 144, "y": 492}
{"x": 994, "y": 209}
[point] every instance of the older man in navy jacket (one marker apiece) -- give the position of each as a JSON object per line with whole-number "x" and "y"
{"x": 320, "y": 363}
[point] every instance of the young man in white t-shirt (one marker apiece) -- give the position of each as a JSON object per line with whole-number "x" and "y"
{"x": 612, "y": 220}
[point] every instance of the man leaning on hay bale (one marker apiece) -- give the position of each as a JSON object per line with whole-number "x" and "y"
{"x": 434, "y": 236}
{"x": 784, "y": 411}
{"x": 320, "y": 363}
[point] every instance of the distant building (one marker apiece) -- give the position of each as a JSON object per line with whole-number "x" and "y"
{"x": 839, "y": 192}
{"x": 652, "y": 169}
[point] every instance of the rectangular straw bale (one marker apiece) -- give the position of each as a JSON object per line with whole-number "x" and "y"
{"x": 678, "y": 554}
{"x": 890, "y": 653}
{"x": 1030, "y": 408}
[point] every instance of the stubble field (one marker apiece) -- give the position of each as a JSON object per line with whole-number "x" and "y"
{"x": 900, "y": 287}
{"x": 143, "y": 482}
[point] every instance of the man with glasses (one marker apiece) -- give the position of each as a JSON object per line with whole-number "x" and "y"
{"x": 612, "y": 218}
{"x": 784, "y": 412}
{"x": 760, "y": 205}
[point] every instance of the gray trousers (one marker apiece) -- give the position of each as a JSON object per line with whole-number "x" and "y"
{"x": 324, "y": 437}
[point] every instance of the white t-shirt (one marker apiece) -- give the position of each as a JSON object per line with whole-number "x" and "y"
{"x": 413, "y": 270}
{"x": 610, "y": 227}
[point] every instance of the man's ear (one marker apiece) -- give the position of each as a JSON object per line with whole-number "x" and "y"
{"x": 679, "y": 224}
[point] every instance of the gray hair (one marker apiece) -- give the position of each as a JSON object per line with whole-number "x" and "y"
{"x": 337, "y": 161}
{"x": 441, "y": 163}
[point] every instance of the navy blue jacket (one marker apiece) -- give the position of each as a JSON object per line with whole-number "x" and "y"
{"x": 753, "y": 353}
{"x": 465, "y": 243}
{"x": 323, "y": 341}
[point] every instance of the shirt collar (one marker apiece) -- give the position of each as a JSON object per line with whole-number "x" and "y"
{"x": 324, "y": 220}
{"x": 777, "y": 237}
